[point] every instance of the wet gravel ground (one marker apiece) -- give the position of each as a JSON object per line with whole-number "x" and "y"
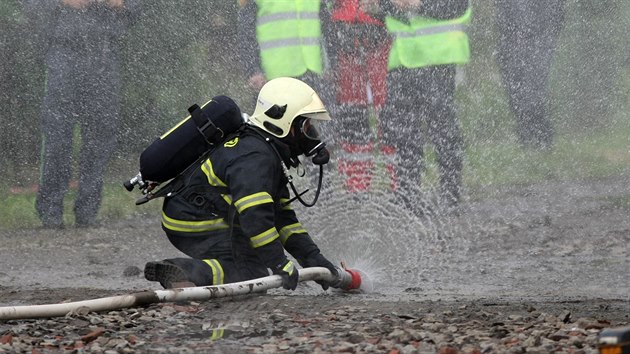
{"x": 541, "y": 268}
{"x": 324, "y": 324}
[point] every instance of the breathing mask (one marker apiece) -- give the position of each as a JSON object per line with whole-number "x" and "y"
{"x": 308, "y": 141}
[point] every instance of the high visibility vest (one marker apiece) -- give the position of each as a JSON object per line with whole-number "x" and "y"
{"x": 289, "y": 36}
{"x": 426, "y": 41}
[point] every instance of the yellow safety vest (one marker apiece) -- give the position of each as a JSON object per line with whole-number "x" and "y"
{"x": 289, "y": 36}
{"x": 426, "y": 41}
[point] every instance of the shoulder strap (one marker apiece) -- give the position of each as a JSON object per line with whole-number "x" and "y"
{"x": 204, "y": 125}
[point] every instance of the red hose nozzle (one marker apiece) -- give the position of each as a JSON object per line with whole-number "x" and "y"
{"x": 349, "y": 279}
{"x": 355, "y": 283}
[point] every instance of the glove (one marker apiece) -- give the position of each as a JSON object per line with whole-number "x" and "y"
{"x": 289, "y": 274}
{"x": 320, "y": 261}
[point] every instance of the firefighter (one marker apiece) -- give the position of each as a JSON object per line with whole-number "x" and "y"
{"x": 233, "y": 218}
{"x": 358, "y": 45}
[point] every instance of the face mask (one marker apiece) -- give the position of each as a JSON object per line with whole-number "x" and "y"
{"x": 307, "y": 141}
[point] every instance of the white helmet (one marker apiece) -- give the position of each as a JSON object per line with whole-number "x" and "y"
{"x": 283, "y": 99}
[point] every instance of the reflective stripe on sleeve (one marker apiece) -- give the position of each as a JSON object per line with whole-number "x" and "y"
{"x": 289, "y": 267}
{"x": 252, "y": 200}
{"x": 218, "y": 275}
{"x": 264, "y": 238}
{"x": 213, "y": 180}
{"x": 289, "y": 230}
{"x": 285, "y": 206}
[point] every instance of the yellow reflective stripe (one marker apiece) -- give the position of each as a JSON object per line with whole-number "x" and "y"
{"x": 180, "y": 123}
{"x": 287, "y": 206}
{"x": 289, "y": 230}
{"x": 218, "y": 275}
{"x": 264, "y": 238}
{"x": 289, "y": 42}
{"x": 283, "y": 16}
{"x": 289, "y": 268}
{"x": 193, "y": 226}
{"x": 217, "y": 334}
{"x": 252, "y": 200}
{"x": 173, "y": 128}
{"x": 212, "y": 177}
{"x": 427, "y": 31}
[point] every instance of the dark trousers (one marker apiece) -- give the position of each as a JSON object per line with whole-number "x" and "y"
{"x": 423, "y": 100}
{"x": 529, "y": 31}
{"x": 82, "y": 89}
{"x": 238, "y": 260}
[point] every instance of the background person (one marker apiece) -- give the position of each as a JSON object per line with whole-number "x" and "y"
{"x": 82, "y": 89}
{"x": 358, "y": 45}
{"x": 528, "y": 34}
{"x": 429, "y": 40}
{"x": 281, "y": 39}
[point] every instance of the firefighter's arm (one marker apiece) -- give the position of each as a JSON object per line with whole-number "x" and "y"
{"x": 251, "y": 180}
{"x": 300, "y": 245}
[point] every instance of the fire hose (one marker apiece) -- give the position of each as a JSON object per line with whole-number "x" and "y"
{"x": 350, "y": 280}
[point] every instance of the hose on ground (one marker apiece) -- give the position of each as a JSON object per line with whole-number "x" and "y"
{"x": 200, "y": 293}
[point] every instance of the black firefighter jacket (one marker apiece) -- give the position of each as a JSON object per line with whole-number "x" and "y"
{"x": 247, "y": 165}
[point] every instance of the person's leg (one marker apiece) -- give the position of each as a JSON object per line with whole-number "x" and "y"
{"x": 349, "y": 132}
{"x": 402, "y": 136}
{"x": 547, "y": 23}
{"x": 174, "y": 272}
{"x": 513, "y": 21}
{"x": 99, "y": 124}
{"x": 211, "y": 262}
{"x": 444, "y": 131}
{"x": 528, "y": 35}
{"x": 246, "y": 260}
{"x": 57, "y": 124}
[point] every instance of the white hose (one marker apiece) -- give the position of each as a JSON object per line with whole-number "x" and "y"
{"x": 154, "y": 296}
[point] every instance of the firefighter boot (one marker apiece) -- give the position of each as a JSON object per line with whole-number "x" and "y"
{"x": 168, "y": 274}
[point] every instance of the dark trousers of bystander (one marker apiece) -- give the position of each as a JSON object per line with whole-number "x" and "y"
{"x": 421, "y": 109}
{"x": 528, "y": 34}
{"x": 83, "y": 88}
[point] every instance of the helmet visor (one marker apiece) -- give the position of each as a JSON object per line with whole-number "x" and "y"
{"x": 310, "y": 128}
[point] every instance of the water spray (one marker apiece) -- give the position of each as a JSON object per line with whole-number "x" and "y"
{"x": 350, "y": 280}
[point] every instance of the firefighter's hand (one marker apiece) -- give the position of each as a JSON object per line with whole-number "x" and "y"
{"x": 289, "y": 274}
{"x": 257, "y": 81}
{"x": 320, "y": 261}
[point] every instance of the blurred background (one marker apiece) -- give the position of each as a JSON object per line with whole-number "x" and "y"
{"x": 183, "y": 52}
